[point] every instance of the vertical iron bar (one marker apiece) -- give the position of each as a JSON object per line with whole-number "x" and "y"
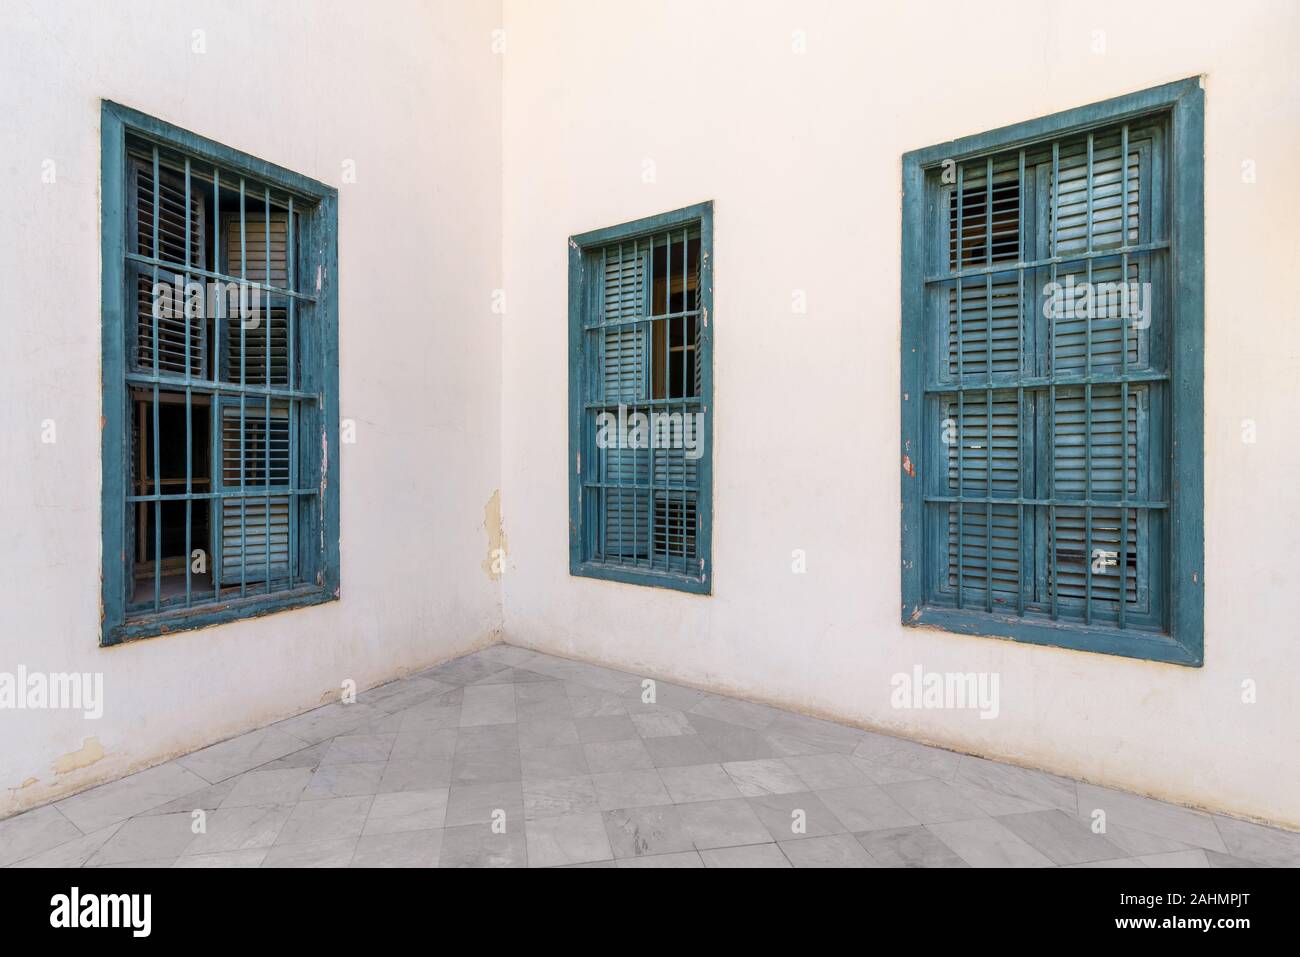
{"x": 189, "y": 439}
{"x": 157, "y": 468}
{"x": 1020, "y": 391}
{"x": 216, "y": 469}
{"x": 1123, "y": 352}
{"x": 291, "y": 379}
{"x": 1055, "y": 200}
{"x": 243, "y": 338}
{"x": 686, "y": 281}
{"x": 988, "y": 378}
{"x": 961, "y": 397}
{"x": 1087, "y": 404}
{"x": 266, "y": 405}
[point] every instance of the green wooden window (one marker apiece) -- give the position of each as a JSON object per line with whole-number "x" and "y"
{"x": 1052, "y": 379}
{"x": 640, "y": 393}
{"x": 220, "y": 382}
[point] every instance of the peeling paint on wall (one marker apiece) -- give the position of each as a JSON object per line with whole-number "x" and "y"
{"x": 90, "y": 752}
{"x": 497, "y": 548}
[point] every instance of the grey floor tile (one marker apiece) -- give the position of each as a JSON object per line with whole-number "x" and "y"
{"x": 986, "y": 843}
{"x": 547, "y": 733}
{"x": 486, "y": 803}
{"x": 344, "y": 780}
{"x": 488, "y": 737}
{"x": 661, "y": 694}
{"x": 1020, "y": 790}
{"x": 359, "y": 749}
{"x": 330, "y": 721}
{"x": 822, "y": 771}
{"x": 698, "y": 782}
{"x": 403, "y": 811}
{"x": 567, "y": 839}
{"x": 405, "y": 849}
{"x": 727, "y": 742}
{"x": 1124, "y": 862}
{"x": 722, "y": 824}
{"x": 614, "y": 727}
{"x": 488, "y": 704}
{"x": 414, "y": 775}
{"x": 73, "y": 853}
{"x": 253, "y": 857}
{"x": 1193, "y": 858}
{"x": 485, "y": 767}
{"x": 606, "y": 756}
{"x": 878, "y": 773}
{"x": 680, "y": 859}
{"x": 752, "y": 855}
{"x": 239, "y": 829}
{"x": 34, "y": 832}
{"x": 1254, "y": 842}
{"x": 477, "y": 845}
{"x": 679, "y": 751}
{"x": 1156, "y": 817}
{"x": 1227, "y": 860}
{"x": 764, "y": 776}
{"x": 309, "y": 757}
{"x": 932, "y": 801}
{"x": 147, "y": 838}
{"x": 912, "y": 756}
{"x": 646, "y": 831}
{"x": 746, "y": 714}
{"x": 836, "y": 850}
{"x": 328, "y": 820}
{"x": 240, "y": 754}
{"x": 134, "y": 794}
{"x": 563, "y": 762}
{"x": 661, "y": 723}
{"x": 322, "y": 854}
{"x": 865, "y": 808}
{"x": 909, "y": 847}
{"x": 622, "y": 789}
{"x": 791, "y": 734}
{"x": 1135, "y": 843}
{"x": 1062, "y": 837}
{"x": 422, "y": 743}
{"x": 548, "y": 797}
{"x": 435, "y": 715}
{"x": 268, "y": 787}
{"x": 793, "y": 817}
{"x": 208, "y": 799}
{"x": 587, "y": 702}
{"x": 464, "y": 671}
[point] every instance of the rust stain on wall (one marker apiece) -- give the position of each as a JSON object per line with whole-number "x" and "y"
{"x": 497, "y": 548}
{"x": 90, "y": 752}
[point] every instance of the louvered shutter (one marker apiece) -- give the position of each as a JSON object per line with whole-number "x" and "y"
{"x": 1070, "y": 204}
{"x": 252, "y": 526}
{"x": 1101, "y": 543}
{"x": 273, "y": 318}
{"x": 624, "y": 379}
{"x": 170, "y": 251}
{"x": 976, "y": 554}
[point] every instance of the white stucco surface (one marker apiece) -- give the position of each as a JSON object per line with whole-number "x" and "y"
{"x": 409, "y": 91}
{"x": 801, "y": 155}
{"x": 472, "y": 168}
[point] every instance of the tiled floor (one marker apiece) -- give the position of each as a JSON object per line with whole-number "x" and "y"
{"x": 510, "y": 758}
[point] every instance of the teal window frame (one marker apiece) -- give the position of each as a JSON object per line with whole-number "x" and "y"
{"x": 585, "y": 310}
{"x": 312, "y": 388}
{"x": 1178, "y": 595}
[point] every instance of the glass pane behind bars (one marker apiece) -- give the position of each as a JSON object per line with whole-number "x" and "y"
{"x": 641, "y": 502}
{"x": 1048, "y": 373}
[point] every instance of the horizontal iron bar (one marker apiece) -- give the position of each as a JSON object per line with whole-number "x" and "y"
{"x": 1049, "y": 261}
{"x": 1043, "y": 382}
{"x": 178, "y": 383}
{"x": 1058, "y": 502}
{"x": 615, "y": 323}
{"x": 180, "y": 269}
{"x": 634, "y": 487}
{"x": 254, "y": 493}
{"x": 633, "y": 404}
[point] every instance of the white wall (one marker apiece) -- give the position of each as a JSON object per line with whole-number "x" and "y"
{"x": 410, "y": 92}
{"x": 801, "y": 154}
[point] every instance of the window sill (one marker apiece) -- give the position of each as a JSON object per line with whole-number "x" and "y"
{"x": 638, "y": 576}
{"x": 1129, "y": 643}
{"x": 204, "y": 616}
